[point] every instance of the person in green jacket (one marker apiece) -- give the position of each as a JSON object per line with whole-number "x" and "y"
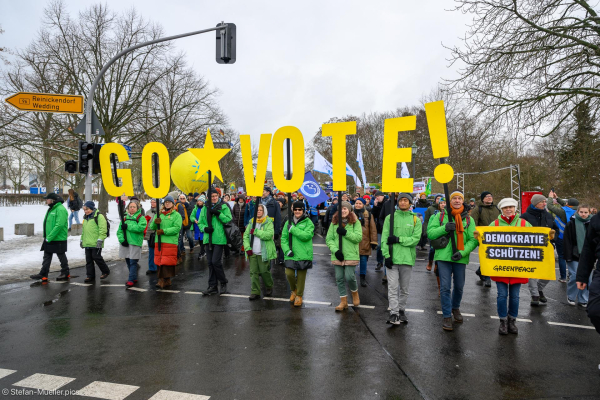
{"x": 215, "y": 232}
{"x": 55, "y": 238}
{"x": 260, "y": 251}
{"x": 94, "y": 231}
{"x": 453, "y": 263}
{"x": 167, "y": 225}
{"x": 132, "y": 227}
{"x": 346, "y": 258}
{"x": 296, "y": 243}
{"x": 398, "y": 246}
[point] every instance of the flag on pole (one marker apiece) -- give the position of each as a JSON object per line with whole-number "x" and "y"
{"x": 404, "y": 171}
{"x": 428, "y": 187}
{"x": 350, "y": 172}
{"x": 232, "y": 187}
{"x": 361, "y": 164}
{"x": 312, "y": 190}
{"x": 221, "y": 132}
{"x": 323, "y": 166}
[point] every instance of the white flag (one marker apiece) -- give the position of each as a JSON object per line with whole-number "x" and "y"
{"x": 404, "y": 171}
{"x": 322, "y": 165}
{"x": 350, "y": 172}
{"x": 359, "y": 160}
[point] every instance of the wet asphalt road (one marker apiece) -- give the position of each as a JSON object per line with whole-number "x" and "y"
{"x": 231, "y": 348}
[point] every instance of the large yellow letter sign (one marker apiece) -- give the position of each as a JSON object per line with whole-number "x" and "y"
{"x": 338, "y": 133}
{"x": 254, "y": 187}
{"x": 392, "y": 155}
{"x": 125, "y": 174}
{"x": 164, "y": 176}
{"x": 294, "y": 134}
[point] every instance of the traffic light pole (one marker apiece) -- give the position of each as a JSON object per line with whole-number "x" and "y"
{"x": 90, "y": 96}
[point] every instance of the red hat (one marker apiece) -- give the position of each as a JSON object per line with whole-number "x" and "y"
{"x": 366, "y": 196}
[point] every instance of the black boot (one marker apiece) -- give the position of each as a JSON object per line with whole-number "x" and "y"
{"x": 512, "y": 327}
{"x": 223, "y": 287}
{"x": 363, "y": 281}
{"x": 63, "y": 277}
{"x": 543, "y": 298}
{"x": 37, "y": 277}
{"x": 503, "y": 330}
{"x": 211, "y": 290}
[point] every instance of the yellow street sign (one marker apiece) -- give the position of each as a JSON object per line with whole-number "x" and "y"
{"x": 46, "y": 102}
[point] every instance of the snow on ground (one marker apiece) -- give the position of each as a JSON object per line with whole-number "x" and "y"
{"x": 20, "y": 256}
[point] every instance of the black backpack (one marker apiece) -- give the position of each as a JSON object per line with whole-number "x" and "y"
{"x": 107, "y": 223}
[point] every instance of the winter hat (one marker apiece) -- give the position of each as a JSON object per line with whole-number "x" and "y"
{"x": 90, "y": 204}
{"x": 282, "y": 201}
{"x": 378, "y": 193}
{"x": 483, "y": 194}
{"x": 169, "y": 198}
{"x": 202, "y": 198}
{"x": 346, "y": 204}
{"x": 573, "y": 202}
{"x": 364, "y": 201}
{"x": 459, "y": 194}
{"x": 367, "y": 197}
{"x": 537, "y": 198}
{"x": 196, "y": 194}
{"x": 298, "y": 204}
{"x": 472, "y": 199}
{"x": 268, "y": 189}
{"x": 52, "y": 196}
{"x": 508, "y": 202}
{"x": 405, "y": 196}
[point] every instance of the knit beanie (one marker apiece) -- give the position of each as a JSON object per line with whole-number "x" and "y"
{"x": 459, "y": 194}
{"x": 90, "y": 204}
{"x": 483, "y": 194}
{"x": 298, "y": 204}
{"x": 169, "y": 198}
{"x": 537, "y": 198}
{"x": 346, "y": 204}
{"x": 405, "y": 196}
{"x": 361, "y": 200}
{"x": 202, "y": 198}
{"x": 573, "y": 202}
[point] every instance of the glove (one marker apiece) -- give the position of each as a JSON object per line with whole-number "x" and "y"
{"x": 341, "y": 231}
{"x": 450, "y": 226}
{"x": 476, "y": 235}
{"x": 99, "y": 243}
{"x": 157, "y": 221}
{"x": 160, "y": 232}
{"x": 290, "y": 254}
{"x": 209, "y": 229}
{"x": 252, "y": 231}
{"x": 81, "y": 244}
{"x": 456, "y": 256}
{"x": 124, "y": 226}
{"x": 389, "y": 262}
{"x": 393, "y": 239}
{"x": 373, "y": 246}
{"x": 215, "y": 212}
{"x": 551, "y": 235}
{"x": 249, "y": 252}
{"x": 339, "y": 255}
{"x": 276, "y": 236}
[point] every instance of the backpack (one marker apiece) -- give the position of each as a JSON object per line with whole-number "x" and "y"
{"x": 107, "y": 223}
{"x": 79, "y": 202}
{"x": 186, "y": 221}
{"x": 561, "y": 225}
{"x": 443, "y": 241}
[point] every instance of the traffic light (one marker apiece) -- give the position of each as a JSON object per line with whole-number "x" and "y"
{"x": 85, "y": 155}
{"x": 71, "y": 166}
{"x": 96, "y": 163}
{"x": 226, "y": 44}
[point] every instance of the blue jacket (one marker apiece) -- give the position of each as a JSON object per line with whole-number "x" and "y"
{"x": 249, "y": 212}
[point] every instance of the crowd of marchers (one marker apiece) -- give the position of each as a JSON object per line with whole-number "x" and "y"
{"x": 273, "y": 230}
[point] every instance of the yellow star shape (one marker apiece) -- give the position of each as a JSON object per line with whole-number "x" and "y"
{"x": 209, "y": 157}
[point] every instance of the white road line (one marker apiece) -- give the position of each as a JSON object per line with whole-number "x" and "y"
{"x": 137, "y": 289}
{"x": 319, "y": 245}
{"x": 414, "y": 310}
{"x": 518, "y": 319}
{"x": 465, "y": 314}
{"x": 44, "y": 382}
{"x": 193, "y": 292}
{"x": 167, "y": 291}
{"x": 361, "y": 306}
{"x": 277, "y": 299}
{"x": 111, "y": 285}
{"x": 324, "y": 303}
{"x": 107, "y": 390}
{"x": 169, "y": 395}
{"x": 571, "y": 325}
{"x": 80, "y": 284}
{"x": 6, "y": 372}
{"x": 57, "y": 281}
{"x": 235, "y": 295}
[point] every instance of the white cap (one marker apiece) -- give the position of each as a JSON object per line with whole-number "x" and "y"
{"x": 508, "y": 202}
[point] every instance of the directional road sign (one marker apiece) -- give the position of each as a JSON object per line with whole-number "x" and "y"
{"x": 46, "y": 102}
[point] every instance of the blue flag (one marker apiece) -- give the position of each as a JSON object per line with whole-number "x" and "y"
{"x": 312, "y": 191}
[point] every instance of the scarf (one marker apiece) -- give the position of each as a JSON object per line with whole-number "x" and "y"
{"x": 90, "y": 216}
{"x": 580, "y": 230}
{"x": 508, "y": 220}
{"x": 260, "y": 220}
{"x": 344, "y": 222}
{"x": 459, "y": 227}
{"x": 295, "y": 219}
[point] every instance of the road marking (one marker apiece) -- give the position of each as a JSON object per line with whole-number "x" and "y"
{"x": 518, "y": 319}
{"x": 6, "y": 372}
{"x": 319, "y": 245}
{"x": 361, "y": 306}
{"x": 414, "y": 310}
{"x": 137, "y": 289}
{"x": 465, "y": 314}
{"x": 170, "y": 395}
{"x": 324, "y": 303}
{"x": 167, "y": 291}
{"x": 112, "y": 285}
{"x": 57, "y": 281}
{"x": 193, "y": 292}
{"x": 44, "y": 382}
{"x": 571, "y": 325}
{"x": 235, "y": 295}
{"x": 277, "y": 299}
{"x": 80, "y": 284}
{"x": 107, "y": 390}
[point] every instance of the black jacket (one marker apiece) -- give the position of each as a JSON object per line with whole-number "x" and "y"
{"x": 570, "y": 249}
{"x": 540, "y": 218}
{"x": 591, "y": 250}
{"x": 274, "y": 211}
{"x": 386, "y": 210}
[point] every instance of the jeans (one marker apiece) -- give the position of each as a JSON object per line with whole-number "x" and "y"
{"x": 379, "y": 253}
{"x": 64, "y": 263}
{"x": 363, "y": 264}
{"x": 187, "y": 233}
{"x": 562, "y": 264}
{"x": 431, "y": 253}
{"x": 133, "y": 266}
{"x": 448, "y": 271}
{"x": 151, "y": 265}
{"x": 398, "y": 281}
{"x": 73, "y": 214}
{"x": 574, "y": 294}
{"x": 347, "y": 273}
{"x": 92, "y": 255}
{"x": 216, "y": 273}
{"x": 510, "y": 293}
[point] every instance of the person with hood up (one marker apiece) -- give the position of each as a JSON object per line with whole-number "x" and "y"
{"x": 167, "y": 225}
{"x": 260, "y": 252}
{"x": 132, "y": 227}
{"x": 298, "y": 250}
{"x": 452, "y": 266}
{"x": 94, "y": 232}
{"x": 347, "y": 258}
{"x": 198, "y": 235}
{"x": 574, "y": 238}
{"x": 56, "y": 230}
{"x": 483, "y": 215}
{"x": 399, "y": 244}
{"x": 369, "y": 236}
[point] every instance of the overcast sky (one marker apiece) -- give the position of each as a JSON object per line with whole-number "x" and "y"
{"x": 298, "y": 63}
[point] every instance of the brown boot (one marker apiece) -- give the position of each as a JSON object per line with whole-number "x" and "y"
{"x": 457, "y": 315}
{"x": 167, "y": 282}
{"x": 161, "y": 283}
{"x": 355, "y": 299}
{"x": 293, "y": 296}
{"x": 343, "y": 304}
{"x": 298, "y": 301}
{"x": 429, "y": 265}
{"x": 447, "y": 324}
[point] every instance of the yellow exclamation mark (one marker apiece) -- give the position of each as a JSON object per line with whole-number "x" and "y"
{"x": 438, "y": 134}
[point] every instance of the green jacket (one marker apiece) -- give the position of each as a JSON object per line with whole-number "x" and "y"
{"x": 431, "y": 210}
{"x": 408, "y": 229}
{"x": 135, "y": 229}
{"x": 436, "y": 230}
{"x": 170, "y": 223}
{"x": 558, "y": 210}
{"x": 218, "y": 236}
{"x": 350, "y": 241}
{"x": 266, "y": 233}
{"x": 56, "y": 225}
{"x": 302, "y": 234}
{"x": 515, "y": 222}
{"x": 487, "y": 215}
{"x": 93, "y": 232}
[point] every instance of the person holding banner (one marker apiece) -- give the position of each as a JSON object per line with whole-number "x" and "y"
{"x": 260, "y": 252}
{"x": 346, "y": 258}
{"x": 452, "y": 263}
{"x": 167, "y": 225}
{"x": 403, "y": 237}
{"x": 508, "y": 288}
{"x": 296, "y": 243}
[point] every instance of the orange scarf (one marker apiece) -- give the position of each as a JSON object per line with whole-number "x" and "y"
{"x": 459, "y": 227}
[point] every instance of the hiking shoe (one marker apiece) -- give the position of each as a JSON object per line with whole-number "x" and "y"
{"x": 403, "y": 316}
{"x": 571, "y": 302}
{"x": 488, "y": 283}
{"x": 457, "y": 315}
{"x": 543, "y": 298}
{"x": 512, "y": 327}
{"x": 129, "y": 284}
{"x": 268, "y": 291}
{"x": 503, "y": 330}
{"x": 211, "y": 290}
{"x": 535, "y": 301}
{"x": 150, "y": 272}
{"x": 63, "y": 277}
{"x": 561, "y": 280}
{"x": 254, "y": 297}
{"x": 378, "y": 267}
{"x": 363, "y": 281}
{"x": 394, "y": 319}
{"x": 223, "y": 288}
{"x": 479, "y": 282}
{"x": 38, "y": 277}
{"x": 384, "y": 280}
{"x": 447, "y": 324}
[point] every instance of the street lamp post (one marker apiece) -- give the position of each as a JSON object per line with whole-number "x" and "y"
{"x": 414, "y": 153}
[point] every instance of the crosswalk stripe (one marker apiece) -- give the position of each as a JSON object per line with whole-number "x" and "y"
{"x": 44, "y": 382}
{"x": 571, "y": 325}
{"x": 465, "y": 314}
{"x": 170, "y": 395}
{"x": 137, "y": 289}
{"x": 107, "y": 390}
{"x": 6, "y": 372}
{"x": 518, "y": 319}
{"x": 167, "y": 291}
